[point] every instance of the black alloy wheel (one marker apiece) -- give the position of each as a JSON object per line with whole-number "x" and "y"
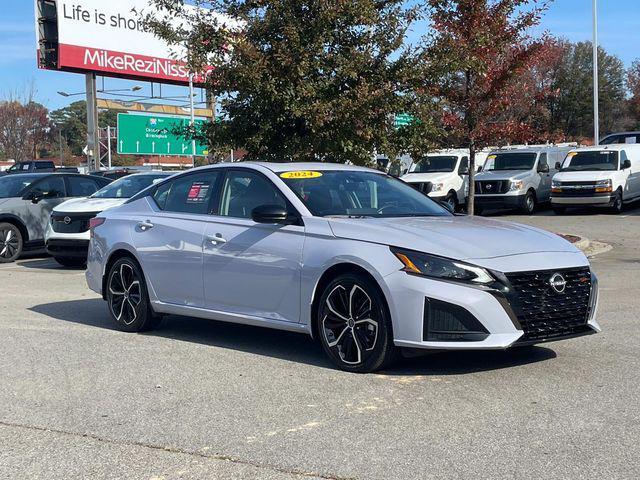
{"x": 11, "y": 243}
{"x": 128, "y": 299}
{"x": 354, "y": 326}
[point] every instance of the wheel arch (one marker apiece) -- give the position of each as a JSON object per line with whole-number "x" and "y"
{"x": 18, "y": 223}
{"x": 113, "y": 258}
{"x": 332, "y": 272}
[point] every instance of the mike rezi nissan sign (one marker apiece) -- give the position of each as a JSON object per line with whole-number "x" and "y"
{"x": 107, "y": 38}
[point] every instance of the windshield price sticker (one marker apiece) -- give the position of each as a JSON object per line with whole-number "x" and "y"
{"x": 300, "y": 174}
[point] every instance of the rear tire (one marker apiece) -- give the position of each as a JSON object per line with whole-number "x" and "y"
{"x": 354, "y": 326}
{"x": 11, "y": 243}
{"x": 71, "y": 262}
{"x": 128, "y": 298}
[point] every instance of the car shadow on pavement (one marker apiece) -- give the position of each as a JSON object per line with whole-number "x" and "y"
{"x": 290, "y": 346}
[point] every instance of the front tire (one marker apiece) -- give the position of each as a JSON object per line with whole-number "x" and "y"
{"x": 11, "y": 243}
{"x": 128, "y": 298}
{"x": 354, "y": 326}
{"x": 617, "y": 205}
{"x": 452, "y": 200}
{"x": 529, "y": 205}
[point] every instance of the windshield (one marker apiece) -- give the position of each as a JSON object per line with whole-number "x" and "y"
{"x": 435, "y": 164}
{"x": 359, "y": 194}
{"x": 128, "y": 186}
{"x": 12, "y": 185}
{"x": 591, "y": 161}
{"x": 511, "y": 161}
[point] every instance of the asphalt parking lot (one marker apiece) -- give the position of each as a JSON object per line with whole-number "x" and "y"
{"x": 199, "y": 399}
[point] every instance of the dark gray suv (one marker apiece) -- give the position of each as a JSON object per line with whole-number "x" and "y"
{"x": 26, "y": 202}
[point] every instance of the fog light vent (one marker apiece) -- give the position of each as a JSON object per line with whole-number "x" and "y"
{"x": 446, "y": 322}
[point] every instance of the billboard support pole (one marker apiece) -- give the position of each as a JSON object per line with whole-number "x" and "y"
{"x": 109, "y": 145}
{"x": 596, "y": 106}
{"x": 193, "y": 119}
{"x": 93, "y": 146}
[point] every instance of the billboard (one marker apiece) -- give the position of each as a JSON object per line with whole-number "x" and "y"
{"x": 156, "y": 135}
{"x": 108, "y": 38}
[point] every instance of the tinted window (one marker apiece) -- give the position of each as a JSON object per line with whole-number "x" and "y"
{"x": 44, "y": 165}
{"x": 436, "y": 164}
{"x": 82, "y": 187}
{"x": 464, "y": 166}
{"x": 243, "y": 191}
{"x": 593, "y": 160}
{"x": 360, "y": 194}
{"x": 50, "y": 187}
{"x": 188, "y": 194}
{"x": 511, "y": 161}
{"x": 12, "y": 185}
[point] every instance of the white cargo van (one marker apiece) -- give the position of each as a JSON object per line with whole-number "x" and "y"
{"x": 443, "y": 175}
{"x": 606, "y": 176}
{"x": 518, "y": 177}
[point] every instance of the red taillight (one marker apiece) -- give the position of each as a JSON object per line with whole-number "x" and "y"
{"x": 96, "y": 222}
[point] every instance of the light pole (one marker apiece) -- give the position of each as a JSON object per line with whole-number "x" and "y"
{"x": 193, "y": 120}
{"x": 596, "y": 109}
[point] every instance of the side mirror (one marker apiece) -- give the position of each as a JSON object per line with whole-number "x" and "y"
{"x": 270, "y": 214}
{"x": 626, "y": 164}
{"x": 558, "y": 166}
{"x": 34, "y": 196}
{"x": 543, "y": 168}
{"x": 479, "y": 169}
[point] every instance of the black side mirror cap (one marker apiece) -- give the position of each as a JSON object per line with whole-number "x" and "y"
{"x": 558, "y": 166}
{"x": 626, "y": 164}
{"x": 270, "y": 214}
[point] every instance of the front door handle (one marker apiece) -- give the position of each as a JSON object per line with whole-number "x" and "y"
{"x": 144, "y": 226}
{"x": 218, "y": 239}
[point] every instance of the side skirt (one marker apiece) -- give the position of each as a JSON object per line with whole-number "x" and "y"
{"x": 170, "y": 309}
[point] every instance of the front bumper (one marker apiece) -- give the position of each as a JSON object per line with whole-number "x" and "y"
{"x": 503, "y": 323}
{"x": 600, "y": 200}
{"x": 500, "y": 201}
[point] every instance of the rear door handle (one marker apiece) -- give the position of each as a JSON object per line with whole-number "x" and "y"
{"x": 218, "y": 239}
{"x": 144, "y": 226}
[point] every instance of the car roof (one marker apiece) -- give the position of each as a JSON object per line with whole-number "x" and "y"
{"x": 614, "y": 147}
{"x": 296, "y": 166}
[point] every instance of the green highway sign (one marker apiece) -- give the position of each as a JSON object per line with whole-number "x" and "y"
{"x": 156, "y": 135}
{"x": 403, "y": 120}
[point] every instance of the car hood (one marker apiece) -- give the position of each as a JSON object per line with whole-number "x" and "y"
{"x": 457, "y": 237}
{"x": 426, "y": 177}
{"x": 489, "y": 175}
{"x": 87, "y": 204}
{"x": 582, "y": 176}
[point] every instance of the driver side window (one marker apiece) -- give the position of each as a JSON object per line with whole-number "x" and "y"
{"x": 51, "y": 187}
{"x": 543, "y": 162}
{"x": 243, "y": 191}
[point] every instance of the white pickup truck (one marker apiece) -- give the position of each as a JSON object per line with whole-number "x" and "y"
{"x": 607, "y": 176}
{"x": 443, "y": 175}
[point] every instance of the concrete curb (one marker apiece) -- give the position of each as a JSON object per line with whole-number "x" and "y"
{"x": 589, "y": 247}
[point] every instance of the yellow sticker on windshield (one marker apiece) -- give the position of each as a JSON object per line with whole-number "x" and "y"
{"x": 300, "y": 174}
{"x": 492, "y": 157}
{"x": 572, "y": 154}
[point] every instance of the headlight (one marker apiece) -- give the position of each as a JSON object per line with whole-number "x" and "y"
{"x": 516, "y": 185}
{"x": 442, "y": 268}
{"x": 437, "y": 187}
{"x": 556, "y": 186}
{"x": 604, "y": 186}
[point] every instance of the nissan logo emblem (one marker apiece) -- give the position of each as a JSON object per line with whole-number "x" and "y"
{"x": 558, "y": 283}
{"x": 67, "y": 220}
{"x": 489, "y": 187}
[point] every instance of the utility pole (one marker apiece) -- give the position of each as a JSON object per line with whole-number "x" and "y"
{"x": 109, "y": 145}
{"x": 60, "y": 141}
{"x": 596, "y": 106}
{"x": 93, "y": 145}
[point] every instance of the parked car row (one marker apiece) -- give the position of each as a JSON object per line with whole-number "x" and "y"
{"x": 524, "y": 177}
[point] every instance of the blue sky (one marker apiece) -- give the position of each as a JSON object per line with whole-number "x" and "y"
{"x": 619, "y": 34}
